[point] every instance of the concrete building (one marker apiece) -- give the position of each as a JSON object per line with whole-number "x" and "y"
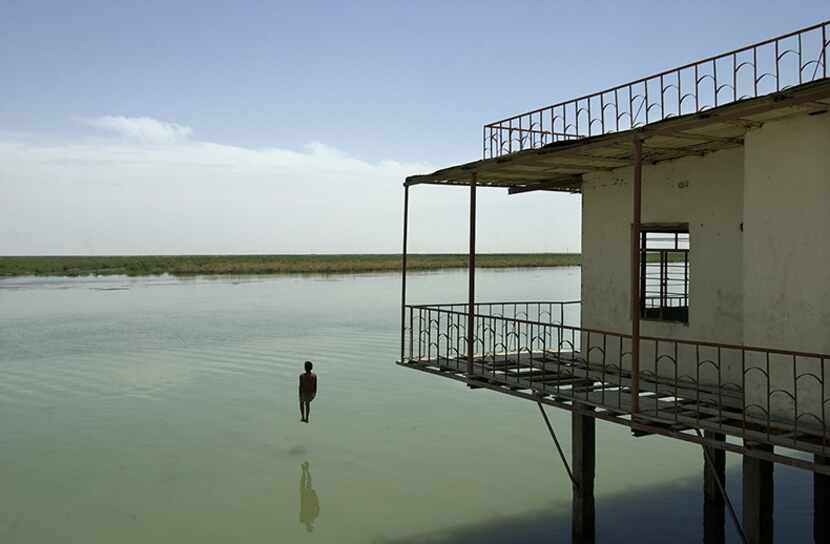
{"x": 758, "y": 261}
{"x": 705, "y": 311}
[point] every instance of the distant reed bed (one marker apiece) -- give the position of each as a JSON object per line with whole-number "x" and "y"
{"x": 191, "y": 265}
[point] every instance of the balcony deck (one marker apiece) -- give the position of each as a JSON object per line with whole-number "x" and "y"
{"x": 686, "y": 390}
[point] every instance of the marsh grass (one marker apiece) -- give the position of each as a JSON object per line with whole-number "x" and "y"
{"x": 190, "y": 265}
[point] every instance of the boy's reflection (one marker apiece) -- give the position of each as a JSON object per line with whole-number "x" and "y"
{"x": 309, "y": 503}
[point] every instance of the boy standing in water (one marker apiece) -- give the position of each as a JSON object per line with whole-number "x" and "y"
{"x": 308, "y": 390}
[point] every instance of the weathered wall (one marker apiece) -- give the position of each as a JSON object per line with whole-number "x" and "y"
{"x": 786, "y": 267}
{"x": 705, "y": 192}
{"x": 768, "y": 286}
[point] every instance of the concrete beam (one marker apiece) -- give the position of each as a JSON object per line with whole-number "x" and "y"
{"x": 758, "y": 491}
{"x": 583, "y": 434}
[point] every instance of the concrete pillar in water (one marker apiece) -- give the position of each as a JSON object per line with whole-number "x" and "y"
{"x": 714, "y": 505}
{"x": 583, "y": 432}
{"x": 758, "y": 496}
{"x": 821, "y": 503}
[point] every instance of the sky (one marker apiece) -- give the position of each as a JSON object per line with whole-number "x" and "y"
{"x": 267, "y": 127}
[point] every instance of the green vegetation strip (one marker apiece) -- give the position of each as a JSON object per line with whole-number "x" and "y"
{"x": 189, "y": 265}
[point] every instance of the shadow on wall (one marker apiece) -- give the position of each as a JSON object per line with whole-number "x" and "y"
{"x": 671, "y": 512}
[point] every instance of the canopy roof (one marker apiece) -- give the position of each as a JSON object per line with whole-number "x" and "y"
{"x": 559, "y": 166}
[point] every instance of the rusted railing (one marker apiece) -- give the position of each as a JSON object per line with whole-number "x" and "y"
{"x": 538, "y": 311}
{"x": 756, "y": 70}
{"x": 776, "y": 396}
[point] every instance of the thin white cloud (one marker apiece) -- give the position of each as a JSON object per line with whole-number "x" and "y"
{"x": 122, "y": 196}
{"x": 142, "y": 129}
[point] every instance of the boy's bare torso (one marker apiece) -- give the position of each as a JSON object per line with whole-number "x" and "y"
{"x": 308, "y": 385}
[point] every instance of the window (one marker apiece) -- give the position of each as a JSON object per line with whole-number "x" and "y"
{"x": 664, "y": 272}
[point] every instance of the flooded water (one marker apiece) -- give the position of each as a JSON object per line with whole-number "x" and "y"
{"x": 165, "y": 410}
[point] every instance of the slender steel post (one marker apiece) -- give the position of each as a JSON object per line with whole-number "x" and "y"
{"x": 403, "y": 267}
{"x": 635, "y": 274}
{"x": 714, "y": 502}
{"x": 471, "y": 273}
{"x": 715, "y": 473}
{"x": 558, "y": 446}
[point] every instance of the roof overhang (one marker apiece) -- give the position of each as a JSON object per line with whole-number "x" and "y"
{"x": 560, "y": 166}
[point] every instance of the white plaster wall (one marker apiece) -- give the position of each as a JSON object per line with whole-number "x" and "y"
{"x": 786, "y": 266}
{"x": 705, "y": 192}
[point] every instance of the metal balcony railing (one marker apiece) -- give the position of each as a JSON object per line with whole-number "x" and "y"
{"x": 775, "y": 396}
{"x": 752, "y": 71}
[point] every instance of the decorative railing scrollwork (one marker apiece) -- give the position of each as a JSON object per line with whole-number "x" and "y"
{"x": 774, "y": 395}
{"x": 749, "y": 72}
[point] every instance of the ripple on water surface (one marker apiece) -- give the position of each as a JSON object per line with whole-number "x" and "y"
{"x": 139, "y": 410}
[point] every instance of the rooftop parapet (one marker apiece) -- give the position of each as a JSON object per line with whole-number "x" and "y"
{"x": 756, "y": 70}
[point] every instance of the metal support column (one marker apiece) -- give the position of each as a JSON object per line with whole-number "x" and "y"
{"x": 758, "y": 496}
{"x": 403, "y": 267}
{"x": 714, "y": 505}
{"x": 471, "y": 273}
{"x": 635, "y": 273}
{"x": 558, "y": 445}
{"x": 821, "y": 503}
{"x": 583, "y": 438}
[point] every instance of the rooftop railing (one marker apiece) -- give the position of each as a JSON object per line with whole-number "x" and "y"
{"x": 752, "y": 71}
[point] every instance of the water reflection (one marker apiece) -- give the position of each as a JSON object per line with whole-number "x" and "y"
{"x": 669, "y": 512}
{"x": 309, "y": 502}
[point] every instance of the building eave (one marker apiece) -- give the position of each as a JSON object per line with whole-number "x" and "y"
{"x": 560, "y": 166}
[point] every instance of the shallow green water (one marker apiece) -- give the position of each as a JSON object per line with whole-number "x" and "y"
{"x": 165, "y": 410}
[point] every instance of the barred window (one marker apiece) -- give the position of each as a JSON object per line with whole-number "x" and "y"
{"x": 664, "y": 272}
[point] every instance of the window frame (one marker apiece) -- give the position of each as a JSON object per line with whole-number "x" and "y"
{"x": 665, "y": 312}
